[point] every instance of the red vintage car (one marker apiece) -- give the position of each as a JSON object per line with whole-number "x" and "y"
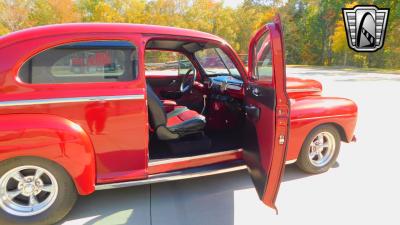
{"x": 69, "y": 128}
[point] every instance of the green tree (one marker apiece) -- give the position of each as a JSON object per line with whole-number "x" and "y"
{"x": 314, "y": 30}
{"x": 14, "y": 14}
{"x": 53, "y": 11}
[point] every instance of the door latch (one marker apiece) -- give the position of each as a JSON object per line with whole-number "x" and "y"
{"x": 256, "y": 92}
{"x": 281, "y": 139}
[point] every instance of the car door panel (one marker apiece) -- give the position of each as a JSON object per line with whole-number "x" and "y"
{"x": 267, "y": 112}
{"x": 167, "y": 87}
{"x": 259, "y": 133}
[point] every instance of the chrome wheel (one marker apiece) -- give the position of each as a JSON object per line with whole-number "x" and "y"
{"x": 322, "y": 149}
{"x": 27, "y": 190}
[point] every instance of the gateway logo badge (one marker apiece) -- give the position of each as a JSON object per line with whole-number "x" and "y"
{"x": 365, "y": 27}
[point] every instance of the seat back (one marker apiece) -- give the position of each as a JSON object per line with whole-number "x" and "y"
{"x": 157, "y": 114}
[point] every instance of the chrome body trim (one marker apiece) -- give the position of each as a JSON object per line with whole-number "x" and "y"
{"x": 203, "y": 171}
{"x": 290, "y": 161}
{"x": 179, "y": 175}
{"x": 295, "y": 90}
{"x": 182, "y": 159}
{"x": 234, "y": 87}
{"x": 70, "y": 100}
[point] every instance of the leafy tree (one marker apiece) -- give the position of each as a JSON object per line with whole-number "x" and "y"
{"x": 14, "y": 14}
{"x": 54, "y": 11}
{"x": 314, "y": 29}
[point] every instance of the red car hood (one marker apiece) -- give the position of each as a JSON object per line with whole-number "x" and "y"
{"x": 297, "y": 87}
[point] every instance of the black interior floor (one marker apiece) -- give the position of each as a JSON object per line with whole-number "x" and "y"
{"x": 211, "y": 142}
{"x": 225, "y": 140}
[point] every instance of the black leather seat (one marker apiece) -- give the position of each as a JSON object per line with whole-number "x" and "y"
{"x": 178, "y": 123}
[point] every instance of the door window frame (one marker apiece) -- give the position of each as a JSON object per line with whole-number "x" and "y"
{"x": 263, "y": 47}
{"x": 51, "y": 67}
{"x": 252, "y": 57}
{"x": 224, "y": 46}
{"x": 162, "y": 50}
{"x": 134, "y": 39}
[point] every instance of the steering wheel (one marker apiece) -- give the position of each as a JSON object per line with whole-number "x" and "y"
{"x": 187, "y": 81}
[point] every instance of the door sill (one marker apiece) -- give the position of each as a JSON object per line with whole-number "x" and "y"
{"x": 155, "y": 162}
{"x": 220, "y": 168}
{"x": 168, "y": 165}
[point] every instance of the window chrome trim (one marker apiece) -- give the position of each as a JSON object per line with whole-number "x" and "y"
{"x": 70, "y": 100}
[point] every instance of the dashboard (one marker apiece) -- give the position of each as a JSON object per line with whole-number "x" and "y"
{"x": 224, "y": 83}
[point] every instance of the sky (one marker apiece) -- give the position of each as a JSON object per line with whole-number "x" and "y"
{"x": 232, "y": 3}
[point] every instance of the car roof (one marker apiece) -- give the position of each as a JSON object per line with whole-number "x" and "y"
{"x": 79, "y": 28}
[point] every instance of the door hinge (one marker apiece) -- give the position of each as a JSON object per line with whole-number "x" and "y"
{"x": 281, "y": 139}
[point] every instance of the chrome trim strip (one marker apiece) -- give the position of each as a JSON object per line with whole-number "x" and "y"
{"x": 70, "y": 100}
{"x": 167, "y": 161}
{"x": 178, "y": 175}
{"x": 290, "y": 161}
{"x": 182, "y": 174}
{"x": 234, "y": 87}
{"x": 323, "y": 117}
{"x": 294, "y": 90}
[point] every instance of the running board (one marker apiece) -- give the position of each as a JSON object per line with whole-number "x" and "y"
{"x": 179, "y": 175}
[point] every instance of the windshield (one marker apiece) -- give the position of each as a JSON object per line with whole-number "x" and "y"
{"x": 215, "y": 63}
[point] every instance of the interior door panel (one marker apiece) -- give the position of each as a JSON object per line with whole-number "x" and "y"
{"x": 166, "y": 87}
{"x": 259, "y": 133}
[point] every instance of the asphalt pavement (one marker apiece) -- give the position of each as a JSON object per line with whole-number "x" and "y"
{"x": 362, "y": 188}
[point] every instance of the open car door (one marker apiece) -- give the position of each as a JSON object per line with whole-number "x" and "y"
{"x": 267, "y": 112}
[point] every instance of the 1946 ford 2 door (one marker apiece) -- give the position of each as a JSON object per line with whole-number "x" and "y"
{"x": 82, "y": 109}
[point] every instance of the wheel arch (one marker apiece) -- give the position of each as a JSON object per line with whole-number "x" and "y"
{"x": 310, "y": 112}
{"x": 51, "y": 138}
{"x": 300, "y": 132}
{"x": 28, "y": 157}
{"x": 340, "y": 129}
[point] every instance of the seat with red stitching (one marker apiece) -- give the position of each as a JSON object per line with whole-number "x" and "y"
{"x": 170, "y": 105}
{"x": 178, "y": 123}
{"x": 180, "y": 115}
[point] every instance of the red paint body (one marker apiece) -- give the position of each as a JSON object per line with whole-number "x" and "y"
{"x": 104, "y": 142}
{"x": 309, "y": 109}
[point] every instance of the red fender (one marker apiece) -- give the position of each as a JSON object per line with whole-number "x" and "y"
{"x": 310, "y": 112}
{"x": 53, "y": 138}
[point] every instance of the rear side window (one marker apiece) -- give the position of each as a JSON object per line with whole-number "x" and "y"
{"x": 96, "y": 61}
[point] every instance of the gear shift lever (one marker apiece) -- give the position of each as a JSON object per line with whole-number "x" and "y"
{"x": 204, "y": 104}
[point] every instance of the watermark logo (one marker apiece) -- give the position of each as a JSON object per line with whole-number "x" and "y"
{"x": 365, "y": 27}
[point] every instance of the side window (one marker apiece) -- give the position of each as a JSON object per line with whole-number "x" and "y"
{"x": 263, "y": 58}
{"x": 167, "y": 63}
{"x": 95, "y": 61}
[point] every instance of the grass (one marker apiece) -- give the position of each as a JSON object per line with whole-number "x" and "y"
{"x": 350, "y": 69}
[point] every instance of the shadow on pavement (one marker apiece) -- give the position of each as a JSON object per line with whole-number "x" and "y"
{"x": 294, "y": 173}
{"x": 122, "y": 206}
{"x": 183, "y": 202}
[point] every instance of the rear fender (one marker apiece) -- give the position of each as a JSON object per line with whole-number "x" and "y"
{"x": 53, "y": 138}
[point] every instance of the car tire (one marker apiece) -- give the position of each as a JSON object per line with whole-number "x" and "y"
{"x": 319, "y": 150}
{"x": 53, "y": 191}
